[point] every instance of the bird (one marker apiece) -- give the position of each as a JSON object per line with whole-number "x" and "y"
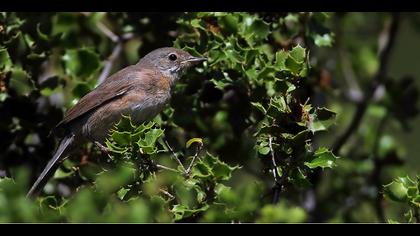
{"x": 140, "y": 91}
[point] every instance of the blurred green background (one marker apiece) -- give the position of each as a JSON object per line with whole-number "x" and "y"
{"x": 404, "y": 62}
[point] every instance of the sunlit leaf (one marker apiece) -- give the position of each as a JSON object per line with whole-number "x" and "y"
{"x": 193, "y": 140}
{"x": 323, "y": 40}
{"x": 322, "y": 158}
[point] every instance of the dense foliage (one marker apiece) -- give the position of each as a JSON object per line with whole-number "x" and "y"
{"x": 286, "y": 121}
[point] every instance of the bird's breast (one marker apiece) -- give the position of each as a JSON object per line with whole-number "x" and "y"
{"x": 148, "y": 108}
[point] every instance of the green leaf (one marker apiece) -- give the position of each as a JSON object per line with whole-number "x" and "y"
{"x": 409, "y": 216}
{"x": 396, "y": 191}
{"x": 194, "y": 140}
{"x": 122, "y": 138}
{"x": 324, "y": 114}
{"x": 148, "y": 143}
{"x": 60, "y": 174}
{"x": 299, "y": 139}
{"x": 260, "y": 28}
{"x": 202, "y": 170}
{"x": 197, "y": 23}
{"x": 252, "y": 74}
{"x": 298, "y": 54}
{"x": 259, "y": 107}
{"x": 229, "y": 23}
{"x": 293, "y": 66}
{"x": 81, "y": 89}
{"x": 324, "y": 40}
{"x": 125, "y": 124}
{"x": 210, "y": 167}
{"x": 41, "y": 35}
{"x": 221, "y": 170}
{"x": 5, "y": 61}
{"x": 279, "y": 104}
{"x": 390, "y": 221}
{"x": 416, "y": 201}
{"x": 322, "y": 119}
{"x": 263, "y": 150}
{"x": 153, "y": 135}
{"x": 282, "y": 86}
{"x": 114, "y": 148}
{"x": 141, "y": 128}
{"x": 20, "y": 82}
{"x": 299, "y": 178}
{"x": 322, "y": 158}
{"x": 122, "y": 192}
{"x": 219, "y": 84}
{"x": 65, "y": 22}
{"x": 181, "y": 211}
{"x": 28, "y": 40}
{"x": 412, "y": 192}
{"x": 35, "y": 56}
{"x": 406, "y": 181}
{"x": 281, "y": 57}
{"x": 295, "y": 61}
{"x": 81, "y": 62}
{"x": 250, "y": 56}
{"x": 267, "y": 73}
{"x": 234, "y": 57}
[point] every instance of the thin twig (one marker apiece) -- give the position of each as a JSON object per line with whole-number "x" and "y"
{"x": 188, "y": 171}
{"x": 118, "y": 40}
{"x": 277, "y": 181}
{"x": 376, "y": 173}
{"x": 354, "y": 91}
{"x": 166, "y": 193}
{"x": 166, "y": 168}
{"x": 109, "y": 63}
{"x": 273, "y": 160}
{"x": 107, "y": 32}
{"x": 387, "y": 40}
{"x": 175, "y": 156}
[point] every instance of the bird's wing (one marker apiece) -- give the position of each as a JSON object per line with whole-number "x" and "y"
{"x": 113, "y": 87}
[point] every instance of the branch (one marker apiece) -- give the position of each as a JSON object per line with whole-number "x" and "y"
{"x": 188, "y": 171}
{"x": 175, "y": 156}
{"x": 277, "y": 181}
{"x": 354, "y": 92}
{"x": 171, "y": 197}
{"x": 376, "y": 173}
{"x": 118, "y": 40}
{"x": 273, "y": 160}
{"x": 107, "y": 32}
{"x": 165, "y": 168}
{"x": 109, "y": 63}
{"x": 387, "y": 40}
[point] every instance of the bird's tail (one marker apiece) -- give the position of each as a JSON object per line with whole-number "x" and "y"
{"x": 51, "y": 166}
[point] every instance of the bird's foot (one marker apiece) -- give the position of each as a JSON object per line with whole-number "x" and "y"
{"x": 102, "y": 147}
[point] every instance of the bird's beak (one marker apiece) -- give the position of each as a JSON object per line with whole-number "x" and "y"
{"x": 195, "y": 60}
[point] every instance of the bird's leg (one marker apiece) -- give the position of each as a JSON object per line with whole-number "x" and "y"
{"x": 102, "y": 147}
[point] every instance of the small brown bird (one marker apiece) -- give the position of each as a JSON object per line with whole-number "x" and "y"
{"x": 139, "y": 90}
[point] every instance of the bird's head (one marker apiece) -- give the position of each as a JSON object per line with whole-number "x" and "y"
{"x": 172, "y": 62}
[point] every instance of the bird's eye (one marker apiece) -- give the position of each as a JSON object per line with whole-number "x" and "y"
{"x": 172, "y": 57}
